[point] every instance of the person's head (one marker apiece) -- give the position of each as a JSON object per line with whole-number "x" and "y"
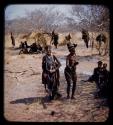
{"x": 25, "y": 42}
{"x": 99, "y": 64}
{"x": 48, "y": 50}
{"x": 104, "y": 65}
{"x": 72, "y": 51}
{"x": 71, "y": 48}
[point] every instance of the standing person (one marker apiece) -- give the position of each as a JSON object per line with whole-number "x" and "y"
{"x": 85, "y": 37}
{"x": 54, "y": 38}
{"x": 50, "y": 76}
{"x": 70, "y": 70}
{"x": 12, "y": 39}
{"x": 101, "y": 38}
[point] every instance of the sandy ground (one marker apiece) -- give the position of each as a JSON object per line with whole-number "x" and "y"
{"x": 24, "y": 95}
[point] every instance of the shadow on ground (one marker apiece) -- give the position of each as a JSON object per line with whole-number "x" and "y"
{"x": 30, "y": 100}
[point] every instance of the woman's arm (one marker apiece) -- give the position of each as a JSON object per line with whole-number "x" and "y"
{"x": 67, "y": 61}
{"x": 58, "y": 63}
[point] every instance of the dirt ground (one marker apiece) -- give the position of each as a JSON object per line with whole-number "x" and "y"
{"x": 24, "y": 94}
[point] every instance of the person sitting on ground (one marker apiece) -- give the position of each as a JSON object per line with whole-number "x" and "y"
{"x": 97, "y": 77}
{"x": 21, "y": 45}
{"x": 26, "y": 45}
{"x": 23, "y": 48}
{"x": 33, "y": 47}
{"x": 39, "y": 47}
{"x": 105, "y": 81}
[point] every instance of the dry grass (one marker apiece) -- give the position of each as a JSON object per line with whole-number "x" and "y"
{"x": 23, "y": 80}
{"x": 45, "y": 39}
{"x": 22, "y": 56}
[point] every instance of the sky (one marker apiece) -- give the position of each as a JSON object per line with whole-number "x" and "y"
{"x": 14, "y": 11}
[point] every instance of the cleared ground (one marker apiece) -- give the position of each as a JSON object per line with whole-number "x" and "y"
{"x": 25, "y": 98}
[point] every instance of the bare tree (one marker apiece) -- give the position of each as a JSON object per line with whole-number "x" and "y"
{"x": 40, "y": 19}
{"x": 90, "y": 17}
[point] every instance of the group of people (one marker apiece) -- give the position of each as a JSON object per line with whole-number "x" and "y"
{"x": 101, "y": 78}
{"x": 51, "y": 65}
{"x": 32, "y": 48}
{"x": 51, "y": 75}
